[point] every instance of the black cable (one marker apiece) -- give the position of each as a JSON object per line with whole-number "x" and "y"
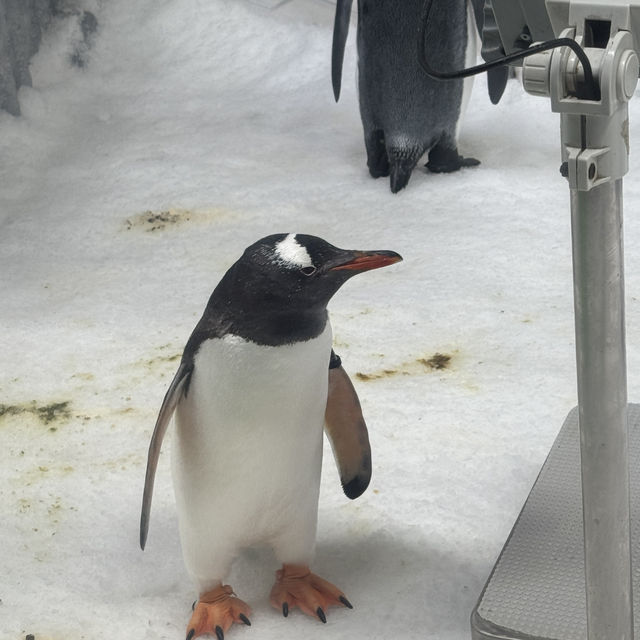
{"x": 591, "y": 90}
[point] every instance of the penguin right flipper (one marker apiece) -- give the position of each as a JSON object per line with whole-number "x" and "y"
{"x": 174, "y": 394}
{"x": 340, "y": 32}
{"x": 491, "y": 48}
{"x": 497, "y": 81}
{"x": 348, "y": 434}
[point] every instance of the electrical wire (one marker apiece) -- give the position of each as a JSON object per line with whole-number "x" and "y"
{"x": 590, "y": 88}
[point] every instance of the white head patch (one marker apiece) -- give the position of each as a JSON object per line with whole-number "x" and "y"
{"x": 293, "y": 254}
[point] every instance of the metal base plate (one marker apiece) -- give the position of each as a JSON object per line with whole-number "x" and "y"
{"x": 537, "y": 587}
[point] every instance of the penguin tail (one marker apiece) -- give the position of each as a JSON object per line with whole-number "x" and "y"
{"x": 399, "y": 177}
{"x": 401, "y": 163}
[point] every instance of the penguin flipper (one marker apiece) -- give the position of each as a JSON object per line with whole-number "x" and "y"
{"x": 348, "y": 434}
{"x": 491, "y": 47}
{"x": 171, "y": 399}
{"x": 340, "y": 32}
{"x": 497, "y": 81}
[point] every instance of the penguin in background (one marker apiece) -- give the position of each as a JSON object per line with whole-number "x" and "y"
{"x": 405, "y": 113}
{"x": 257, "y": 382}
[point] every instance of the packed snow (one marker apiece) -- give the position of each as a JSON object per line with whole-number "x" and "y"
{"x": 130, "y": 185}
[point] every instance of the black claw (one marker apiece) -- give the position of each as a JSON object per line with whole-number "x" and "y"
{"x": 193, "y": 606}
{"x": 285, "y": 609}
{"x": 345, "y": 602}
{"x": 245, "y": 619}
{"x": 321, "y": 615}
{"x": 192, "y": 632}
{"x": 219, "y": 633}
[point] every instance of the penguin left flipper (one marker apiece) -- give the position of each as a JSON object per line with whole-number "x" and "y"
{"x": 348, "y": 434}
{"x": 340, "y": 32}
{"x": 174, "y": 394}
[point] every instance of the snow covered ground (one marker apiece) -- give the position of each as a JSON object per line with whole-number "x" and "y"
{"x": 128, "y": 187}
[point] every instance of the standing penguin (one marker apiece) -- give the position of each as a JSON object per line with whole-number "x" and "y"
{"x": 257, "y": 381}
{"x": 405, "y": 113}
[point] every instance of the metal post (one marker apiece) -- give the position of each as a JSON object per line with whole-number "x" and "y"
{"x": 595, "y": 148}
{"x": 602, "y": 394}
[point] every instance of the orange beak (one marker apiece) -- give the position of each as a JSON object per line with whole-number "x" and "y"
{"x": 367, "y": 260}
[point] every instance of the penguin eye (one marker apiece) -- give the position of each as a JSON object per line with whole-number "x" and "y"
{"x": 308, "y": 271}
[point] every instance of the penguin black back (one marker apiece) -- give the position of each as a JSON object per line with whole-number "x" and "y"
{"x": 404, "y": 112}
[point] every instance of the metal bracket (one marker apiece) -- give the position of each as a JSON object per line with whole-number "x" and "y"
{"x": 587, "y": 168}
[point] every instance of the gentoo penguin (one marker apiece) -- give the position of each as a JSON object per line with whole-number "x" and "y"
{"x": 405, "y": 113}
{"x": 257, "y": 381}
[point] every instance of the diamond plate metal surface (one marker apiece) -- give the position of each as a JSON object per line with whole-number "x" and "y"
{"x": 536, "y": 589}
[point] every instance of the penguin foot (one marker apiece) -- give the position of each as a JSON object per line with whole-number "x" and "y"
{"x": 296, "y": 586}
{"x": 216, "y": 611}
{"x": 377, "y": 159}
{"x": 448, "y": 160}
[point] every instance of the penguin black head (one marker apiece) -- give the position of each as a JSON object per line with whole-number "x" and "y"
{"x": 278, "y": 291}
{"x": 288, "y": 271}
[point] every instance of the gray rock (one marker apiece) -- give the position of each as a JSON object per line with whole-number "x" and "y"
{"x": 22, "y": 23}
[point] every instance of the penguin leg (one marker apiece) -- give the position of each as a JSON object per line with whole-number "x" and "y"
{"x": 444, "y": 157}
{"x": 377, "y": 159}
{"x": 216, "y": 611}
{"x": 296, "y": 586}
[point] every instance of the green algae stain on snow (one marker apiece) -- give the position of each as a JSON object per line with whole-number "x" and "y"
{"x": 49, "y": 415}
{"x": 436, "y": 362}
{"x": 154, "y": 221}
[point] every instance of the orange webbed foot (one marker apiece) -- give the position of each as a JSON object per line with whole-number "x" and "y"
{"x": 215, "y": 612}
{"x": 296, "y": 586}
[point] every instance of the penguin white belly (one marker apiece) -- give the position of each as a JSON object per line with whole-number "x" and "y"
{"x": 470, "y": 58}
{"x": 248, "y": 451}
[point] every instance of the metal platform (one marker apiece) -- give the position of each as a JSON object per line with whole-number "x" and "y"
{"x": 536, "y": 590}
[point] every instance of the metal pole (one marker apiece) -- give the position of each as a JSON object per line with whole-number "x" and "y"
{"x": 598, "y": 271}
